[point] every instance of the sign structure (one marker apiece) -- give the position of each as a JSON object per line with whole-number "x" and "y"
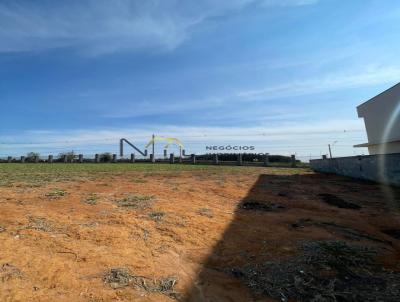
{"x": 230, "y": 148}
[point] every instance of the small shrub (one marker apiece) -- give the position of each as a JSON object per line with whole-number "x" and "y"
{"x": 56, "y": 193}
{"x": 105, "y": 157}
{"x": 92, "y": 199}
{"x": 157, "y": 216}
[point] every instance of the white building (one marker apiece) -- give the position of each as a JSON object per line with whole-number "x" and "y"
{"x": 382, "y": 121}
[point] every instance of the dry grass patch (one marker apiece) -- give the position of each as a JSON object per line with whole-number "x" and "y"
{"x": 136, "y": 201}
{"x": 205, "y": 212}
{"x": 324, "y": 271}
{"x": 9, "y": 271}
{"x": 122, "y": 277}
{"x": 157, "y": 216}
{"x": 91, "y": 199}
{"x": 56, "y": 193}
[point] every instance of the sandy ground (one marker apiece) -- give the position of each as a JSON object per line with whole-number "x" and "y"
{"x": 59, "y": 239}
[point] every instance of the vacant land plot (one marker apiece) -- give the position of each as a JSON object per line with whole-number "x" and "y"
{"x": 142, "y": 232}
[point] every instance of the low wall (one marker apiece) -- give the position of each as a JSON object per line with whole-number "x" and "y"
{"x": 363, "y": 167}
{"x": 192, "y": 159}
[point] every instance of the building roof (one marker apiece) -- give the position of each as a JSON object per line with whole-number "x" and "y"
{"x": 375, "y": 144}
{"x": 383, "y": 92}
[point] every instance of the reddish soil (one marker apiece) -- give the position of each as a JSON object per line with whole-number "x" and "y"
{"x": 58, "y": 246}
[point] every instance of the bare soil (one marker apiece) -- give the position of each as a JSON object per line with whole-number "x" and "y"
{"x": 181, "y": 235}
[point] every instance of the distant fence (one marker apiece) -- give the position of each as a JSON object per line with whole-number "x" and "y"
{"x": 212, "y": 159}
{"x": 378, "y": 168}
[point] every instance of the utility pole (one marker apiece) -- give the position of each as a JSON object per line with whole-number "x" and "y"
{"x": 154, "y": 159}
{"x": 330, "y": 148}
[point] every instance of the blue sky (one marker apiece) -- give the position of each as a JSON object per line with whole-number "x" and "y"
{"x": 284, "y": 75}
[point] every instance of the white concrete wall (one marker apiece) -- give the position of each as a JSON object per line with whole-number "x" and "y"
{"x": 389, "y": 148}
{"x": 362, "y": 167}
{"x": 377, "y": 112}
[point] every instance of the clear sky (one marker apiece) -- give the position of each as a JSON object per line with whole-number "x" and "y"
{"x": 284, "y": 75}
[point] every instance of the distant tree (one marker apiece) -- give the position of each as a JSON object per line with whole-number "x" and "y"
{"x": 30, "y": 157}
{"x": 105, "y": 157}
{"x": 70, "y": 156}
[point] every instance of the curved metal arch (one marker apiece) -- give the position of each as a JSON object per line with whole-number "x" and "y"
{"x": 170, "y": 140}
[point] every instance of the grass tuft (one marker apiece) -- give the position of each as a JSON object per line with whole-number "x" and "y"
{"x": 92, "y": 199}
{"x": 136, "y": 201}
{"x": 56, "y": 193}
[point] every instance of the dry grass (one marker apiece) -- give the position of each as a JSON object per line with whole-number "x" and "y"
{"x": 122, "y": 277}
{"x": 136, "y": 201}
{"x": 164, "y": 244}
{"x": 326, "y": 271}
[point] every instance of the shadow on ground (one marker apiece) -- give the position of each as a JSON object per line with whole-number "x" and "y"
{"x": 304, "y": 237}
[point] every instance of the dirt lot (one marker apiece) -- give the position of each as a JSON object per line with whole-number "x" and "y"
{"x": 135, "y": 233}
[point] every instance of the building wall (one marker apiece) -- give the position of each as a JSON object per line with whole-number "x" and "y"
{"x": 389, "y": 148}
{"x": 362, "y": 167}
{"x": 378, "y": 113}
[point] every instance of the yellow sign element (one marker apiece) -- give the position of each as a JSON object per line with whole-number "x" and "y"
{"x": 169, "y": 140}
